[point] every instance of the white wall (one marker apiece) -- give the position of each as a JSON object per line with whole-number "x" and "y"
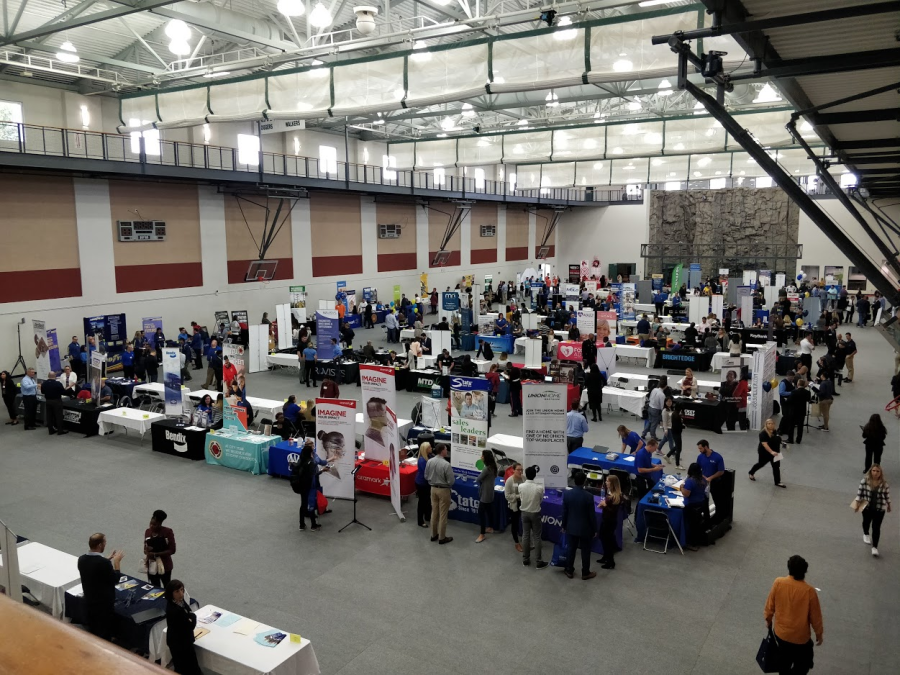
{"x": 51, "y": 107}
{"x": 612, "y": 233}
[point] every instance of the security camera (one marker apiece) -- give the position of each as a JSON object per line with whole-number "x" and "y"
{"x": 365, "y": 19}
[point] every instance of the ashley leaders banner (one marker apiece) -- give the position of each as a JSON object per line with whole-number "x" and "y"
{"x": 378, "y": 394}
{"x": 172, "y": 381}
{"x": 544, "y": 442}
{"x": 468, "y": 423}
{"x": 336, "y": 444}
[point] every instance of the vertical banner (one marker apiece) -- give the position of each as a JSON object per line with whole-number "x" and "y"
{"x": 677, "y": 273}
{"x": 572, "y": 294}
{"x": 586, "y": 322}
{"x": 591, "y": 286}
{"x": 336, "y": 436}
{"x": 397, "y": 294}
{"x": 763, "y": 374}
{"x": 468, "y": 423}
{"x": 109, "y": 337}
{"x": 544, "y": 441}
{"x": 97, "y": 361}
{"x": 468, "y": 281}
{"x": 730, "y": 376}
{"x": 378, "y": 394}
{"x": 423, "y": 284}
{"x": 745, "y": 304}
{"x": 234, "y": 417}
{"x": 656, "y": 283}
{"x": 221, "y": 322}
{"x": 53, "y": 345}
{"x": 298, "y": 303}
{"x": 626, "y": 301}
{"x": 694, "y": 278}
{"x": 172, "y": 381}
{"x": 327, "y": 327}
{"x": 606, "y": 326}
{"x": 486, "y": 324}
{"x": 585, "y": 271}
{"x": 41, "y": 350}
{"x": 765, "y": 277}
{"x": 431, "y": 412}
{"x": 149, "y": 326}
{"x": 450, "y": 301}
{"x": 235, "y": 354}
{"x": 392, "y": 438}
{"x": 574, "y": 273}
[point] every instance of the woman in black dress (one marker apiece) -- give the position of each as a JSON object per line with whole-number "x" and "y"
{"x": 609, "y": 520}
{"x": 769, "y": 446}
{"x": 180, "y": 622}
{"x": 9, "y": 390}
{"x": 595, "y": 381}
{"x": 873, "y": 435}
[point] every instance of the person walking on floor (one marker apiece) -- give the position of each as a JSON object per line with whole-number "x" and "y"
{"x": 799, "y": 405}
{"x": 511, "y": 491}
{"x": 159, "y": 547}
{"x": 655, "y": 405}
{"x": 873, "y": 435}
{"x": 873, "y": 497}
{"x": 576, "y": 428}
{"x": 531, "y": 495}
{"x": 791, "y": 609}
{"x": 768, "y": 450}
{"x": 423, "y": 489}
{"x": 441, "y": 478}
{"x": 609, "y": 520}
{"x": 514, "y": 376}
{"x": 826, "y": 398}
{"x": 594, "y": 382}
{"x": 579, "y": 523}
{"x": 485, "y": 481}
{"x": 180, "y": 624}
{"x": 677, "y": 426}
{"x": 306, "y": 476}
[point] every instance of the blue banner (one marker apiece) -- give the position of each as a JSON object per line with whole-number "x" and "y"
{"x": 368, "y": 294}
{"x": 149, "y": 326}
{"x": 450, "y": 301}
{"x": 109, "y": 331}
{"x": 327, "y": 327}
{"x": 616, "y": 299}
{"x": 172, "y": 381}
{"x": 466, "y": 321}
{"x": 53, "y": 345}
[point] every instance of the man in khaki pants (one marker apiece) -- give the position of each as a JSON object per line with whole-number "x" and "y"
{"x": 440, "y": 477}
{"x": 851, "y": 352}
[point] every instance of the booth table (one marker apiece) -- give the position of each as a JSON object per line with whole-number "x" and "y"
{"x": 483, "y": 365}
{"x": 421, "y": 381}
{"x": 264, "y": 407}
{"x": 127, "y": 418}
{"x": 499, "y": 343}
{"x": 635, "y": 352}
{"x": 121, "y": 386}
{"x": 624, "y": 462}
{"x": 82, "y": 418}
{"x": 464, "y": 499}
{"x": 40, "y": 415}
{"x": 48, "y": 573}
{"x": 682, "y": 358}
{"x": 632, "y": 381}
{"x": 512, "y": 446}
{"x": 786, "y": 361}
{"x": 426, "y": 361}
{"x": 283, "y": 360}
{"x": 701, "y": 413}
{"x": 374, "y": 478}
{"x": 719, "y": 357}
{"x": 228, "y": 653}
{"x": 345, "y": 372}
{"x": 551, "y": 517}
{"x": 153, "y": 389}
{"x": 632, "y": 401}
{"x": 239, "y": 450}
{"x": 172, "y": 437}
{"x": 704, "y": 386}
{"x": 439, "y": 436}
{"x": 676, "y": 515}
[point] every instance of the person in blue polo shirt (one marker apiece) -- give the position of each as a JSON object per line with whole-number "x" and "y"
{"x": 630, "y": 439}
{"x": 500, "y": 325}
{"x": 648, "y": 473}
{"x": 74, "y": 351}
{"x": 291, "y": 409}
{"x": 694, "y": 491}
{"x": 128, "y": 361}
{"x": 713, "y": 467}
{"x": 643, "y": 328}
{"x": 197, "y": 347}
{"x": 337, "y": 351}
{"x": 309, "y": 358}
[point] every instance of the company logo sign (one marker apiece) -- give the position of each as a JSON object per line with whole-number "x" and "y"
{"x": 554, "y": 469}
{"x": 179, "y": 439}
{"x": 468, "y": 504}
{"x": 551, "y": 520}
{"x": 72, "y": 416}
{"x": 215, "y": 449}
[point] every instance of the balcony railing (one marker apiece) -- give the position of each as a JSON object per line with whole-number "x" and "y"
{"x": 31, "y": 139}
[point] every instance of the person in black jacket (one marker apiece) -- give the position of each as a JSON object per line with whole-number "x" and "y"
{"x": 99, "y": 576}
{"x": 589, "y": 351}
{"x": 799, "y": 405}
{"x": 485, "y": 350}
{"x": 595, "y": 381}
{"x": 873, "y": 435}
{"x": 151, "y": 363}
{"x": 180, "y": 624}
{"x": 579, "y": 522}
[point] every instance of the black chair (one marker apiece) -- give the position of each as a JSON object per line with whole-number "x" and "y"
{"x": 125, "y": 402}
{"x": 658, "y": 528}
{"x": 594, "y": 477}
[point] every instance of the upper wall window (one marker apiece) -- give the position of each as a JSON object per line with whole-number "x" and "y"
{"x": 10, "y": 116}
{"x": 327, "y": 159}
{"x": 248, "y": 149}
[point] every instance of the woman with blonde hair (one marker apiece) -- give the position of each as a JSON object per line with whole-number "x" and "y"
{"x": 768, "y": 449}
{"x": 609, "y": 519}
{"x": 689, "y": 385}
{"x": 511, "y": 491}
{"x": 423, "y": 489}
{"x": 874, "y": 498}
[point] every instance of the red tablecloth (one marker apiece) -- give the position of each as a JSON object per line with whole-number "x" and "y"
{"x": 373, "y": 478}
{"x": 542, "y": 370}
{"x": 572, "y": 393}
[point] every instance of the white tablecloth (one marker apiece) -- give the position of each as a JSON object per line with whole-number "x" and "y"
{"x": 228, "y": 653}
{"x": 130, "y": 418}
{"x": 718, "y": 357}
{"x": 283, "y": 360}
{"x": 265, "y": 407}
{"x": 635, "y": 352}
{"x": 407, "y": 334}
{"x": 155, "y": 389}
{"x": 482, "y": 364}
{"x": 520, "y": 345}
{"x": 635, "y": 380}
{"x": 632, "y": 401}
{"x": 48, "y": 573}
{"x": 511, "y": 445}
{"x": 703, "y": 386}
{"x": 426, "y": 361}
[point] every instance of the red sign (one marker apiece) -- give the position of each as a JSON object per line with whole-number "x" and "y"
{"x": 569, "y": 351}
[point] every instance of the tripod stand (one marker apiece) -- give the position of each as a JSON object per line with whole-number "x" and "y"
{"x": 354, "y": 521}
{"x": 19, "y": 361}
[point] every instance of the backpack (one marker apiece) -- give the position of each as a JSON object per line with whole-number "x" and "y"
{"x": 295, "y": 479}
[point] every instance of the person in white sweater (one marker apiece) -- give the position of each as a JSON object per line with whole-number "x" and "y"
{"x": 511, "y": 490}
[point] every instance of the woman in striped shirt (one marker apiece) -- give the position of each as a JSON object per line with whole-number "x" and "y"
{"x": 876, "y": 493}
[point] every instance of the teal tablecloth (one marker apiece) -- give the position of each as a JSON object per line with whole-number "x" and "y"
{"x": 242, "y": 451}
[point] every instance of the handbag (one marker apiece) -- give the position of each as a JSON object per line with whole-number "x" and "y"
{"x": 559, "y": 552}
{"x": 858, "y": 504}
{"x": 767, "y": 656}
{"x": 814, "y": 410}
{"x": 152, "y": 566}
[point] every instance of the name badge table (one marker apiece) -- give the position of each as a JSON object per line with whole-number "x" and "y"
{"x": 374, "y": 478}
{"x": 676, "y": 515}
{"x": 172, "y": 438}
{"x": 82, "y": 418}
{"x": 684, "y": 359}
{"x": 551, "y": 520}
{"x": 464, "y": 500}
{"x": 127, "y": 418}
{"x": 346, "y": 372}
{"x": 48, "y": 573}
{"x": 237, "y": 450}
{"x": 627, "y": 399}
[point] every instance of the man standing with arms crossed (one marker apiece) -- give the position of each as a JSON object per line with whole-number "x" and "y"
{"x": 440, "y": 477}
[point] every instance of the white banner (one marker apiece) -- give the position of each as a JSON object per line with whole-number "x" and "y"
{"x": 431, "y": 412}
{"x": 586, "y": 322}
{"x": 468, "y": 423}
{"x": 486, "y": 324}
{"x": 544, "y": 441}
{"x": 391, "y": 435}
{"x": 171, "y": 364}
{"x": 97, "y": 361}
{"x": 336, "y": 444}
{"x": 763, "y": 371}
{"x": 41, "y": 350}
{"x": 378, "y": 394}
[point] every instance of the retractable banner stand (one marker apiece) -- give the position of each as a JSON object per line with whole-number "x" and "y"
{"x": 97, "y": 361}
{"x": 763, "y": 384}
{"x": 235, "y": 354}
{"x": 586, "y": 322}
{"x": 336, "y": 440}
{"x": 606, "y": 326}
{"x": 149, "y": 326}
{"x": 573, "y": 295}
{"x": 574, "y": 273}
{"x": 544, "y": 441}
{"x": 109, "y": 335}
{"x": 627, "y": 300}
{"x": 677, "y": 273}
{"x": 468, "y": 423}
{"x": 327, "y": 327}
{"x": 378, "y": 394}
{"x": 172, "y": 381}
{"x": 486, "y": 324}
{"x": 221, "y": 320}
{"x": 730, "y": 376}
{"x": 298, "y": 303}
{"x": 392, "y": 437}
{"x": 53, "y": 345}
{"x": 450, "y": 301}
{"x": 41, "y": 350}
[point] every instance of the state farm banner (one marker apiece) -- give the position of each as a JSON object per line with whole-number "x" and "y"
{"x": 468, "y": 423}
{"x": 171, "y": 364}
{"x": 569, "y": 351}
{"x": 391, "y": 434}
{"x": 235, "y": 354}
{"x": 336, "y": 444}
{"x": 586, "y": 321}
{"x": 378, "y": 394}
{"x": 606, "y": 326}
{"x": 544, "y": 440}
{"x": 41, "y": 350}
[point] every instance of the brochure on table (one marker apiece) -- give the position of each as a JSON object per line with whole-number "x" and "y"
{"x": 378, "y": 394}
{"x": 335, "y": 443}
{"x": 544, "y": 438}
{"x": 468, "y": 423}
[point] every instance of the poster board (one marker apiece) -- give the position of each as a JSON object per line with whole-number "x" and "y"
{"x": 335, "y": 443}
{"x": 544, "y": 435}
{"x": 468, "y": 423}
{"x": 378, "y": 394}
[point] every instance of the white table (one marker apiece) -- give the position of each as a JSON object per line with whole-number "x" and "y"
{"x": 48, "y": 573}
{"x": 635, "y": 352}
{"x": 403, "y": 426}
{"x": 511, "y": 445}
{"x": 520, "y": 345}
{"x": 718, "y": 357}
{"x": 703, "y": 386}
{"x": 635, "y": 380}
{"x": 482, "y": 364}
{"x": 283, "y": 360}
{"x": 426, "y": 361}
{"x": 196, "y": 396}
{"x": 154, "y": 389}
{"x": 228, "y": 653}
{"x": 128, "y": 418}
{"x": 265, "y": 405}
{"x": 632, "y": 401}
{"x": 645, "y": 308}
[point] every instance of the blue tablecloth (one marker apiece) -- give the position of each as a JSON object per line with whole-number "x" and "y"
{"x": 464, "y": 502}
{"x": 353, "y": 320}
{"x": 499, "y": 343}
{"x": 551, "y": 519}
{"x": 379, "y": 315}
{"x": 246, "y": 452}
{"x": 467, "y": 343}
{"x": 278, "y": 458}
{"x": 676, "y": 516}
{"x": 577, "y": 458}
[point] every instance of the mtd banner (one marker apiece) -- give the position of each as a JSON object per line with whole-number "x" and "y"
{"x": 378, "y": 394}
{"x": 544, "y": 442}
{"x": 172, "y": 381}
{"x": 468, "y": 423}
{"x": 336, "y": 434}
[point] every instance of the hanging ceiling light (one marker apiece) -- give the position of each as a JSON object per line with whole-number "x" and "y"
{"x": 291, "y": 7}
{"x": 67, "y": 53}
{"x": 552, "y": 99}
{"x": 665, "y": 89}
{"x": 178, "y": 30}
{"x": 467, "y": 110}
{"x": 522, "y": 123}
{"x": 320, "y": 17}
{"x": 179, "y": 47}
{"x": 565, "y": 34}
{"x": 767, "y": 95}
{"x": 634, "y": 105}
{"x": 447, "y": 124}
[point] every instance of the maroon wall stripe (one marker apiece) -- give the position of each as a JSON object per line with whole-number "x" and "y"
{"x": 40, "y": 285}
{"x": 393, "y": 262}
{"x": 453, "y": 260}
{"x": 484, "y": 255}
{"x": 336, "y": 265}
{"x": 516, "y": 253}
{"x": 135, "y": 278}
{"x": 237, "y": 270}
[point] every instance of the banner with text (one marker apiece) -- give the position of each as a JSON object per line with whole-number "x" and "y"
{"x": 450, "y": 301}
{"x": 572, "y": 294}
{"x": 336, "y": 444}
{"x": 53, "y": 345}
{"x": 172, "y": 381}
{"x": 327, "y": 327}
{"x": 41, "y": 349}
{"x": 149, "y": 326}
{"x": 627, "y": 301}
{"x": 468, "y": 423}
{"x": 235, "y": 355}
{"x": 109, "y": 335}
{"x": 392, "y": 438}
{"x": 298, "y": 303}
{"x": 544, "y": 440}
{"x": 586, "y": 322}
{"x": 378, "y": 394}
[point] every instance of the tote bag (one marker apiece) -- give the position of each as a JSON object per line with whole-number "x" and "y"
{"x": 767, "y": 656}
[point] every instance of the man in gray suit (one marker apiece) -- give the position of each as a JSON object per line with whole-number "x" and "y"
{"x": 579, "y": 522}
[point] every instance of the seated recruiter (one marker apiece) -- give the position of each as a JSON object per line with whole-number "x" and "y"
{"x": 369, "y": 351}
{"x": 630, "y": 439}
{"x": 689, "y": 386}
{"x": 106, "y": 393}
{"x": 500, "y": 325}
{"x": 444, "y": 360}
{"x": 694, "y": 492}
{"x": 648, "y": 473}
{"x": 291, "y": 409}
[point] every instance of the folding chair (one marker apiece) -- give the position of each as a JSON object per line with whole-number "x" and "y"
{"x": 657, "y": 527}
{"x": 124, "y": 402}
{"x": 595, "y": 477}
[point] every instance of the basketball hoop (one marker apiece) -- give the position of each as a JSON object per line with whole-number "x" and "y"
{"x": 261, "y": 278}
{"x": 893, "y": 405}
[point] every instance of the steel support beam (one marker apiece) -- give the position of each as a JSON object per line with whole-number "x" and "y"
{"x": 854, "y": 117}
{"x": 817, "y": 65}
{"x": 96, "y": 58}
{"x": 868, "y": 144}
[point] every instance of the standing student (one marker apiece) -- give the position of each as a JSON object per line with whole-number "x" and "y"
{"x": 850, "y": 346}
{"x": 874, "y": 498}
{"x": 594, "y": 382}
{"x": 767, "y": 450}
{"x": 128, "y": 362}
{"x": 511, "y": 492}
{"x": 576, "y": 428}
{"x": 440, "y": 477}
{"x": 579, "y": 522}
{"x": 159, "y": 544}
{"x": 791, "y": 608}
{"x": 609, "y": 522}
{"x": 180, "y": 624}
{"x": 53, "y": 391}
{"x": 799, "y": 405}
{"x": 151, "y": 363}
{"x": 29, "y": 388}
{"x": 423, "y": 489}
{"x": 531, "y": 495}
{"x": 309, "y": 363}
{"x": 99, "y": 576}
{"x": 485, "y": 482}
{"x": 873, "y": 435}
{"x": 9, "y": 391}
{"x": 677, "y": 426}
{"x": 826, "y": 398}
{"x": 307, "y": 477}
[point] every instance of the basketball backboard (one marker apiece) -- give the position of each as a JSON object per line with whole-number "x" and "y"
{"x": 440, "y": 258}
{"x": 543, "y": 252}
{"x": 261, "y": 270}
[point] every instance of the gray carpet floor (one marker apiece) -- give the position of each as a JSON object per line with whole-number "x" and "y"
{"x": 389, "y": 601}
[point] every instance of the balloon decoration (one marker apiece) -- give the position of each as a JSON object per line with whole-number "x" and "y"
{"x": 805, "y": 313}
{"x": 392, "y": 303}
{"x": 799, "y": 277}
{"x": 807, "y": 294}
{"x": 799, "y": 322}
{"x": 773, "y": 382}
{"x": 767, "y": 387}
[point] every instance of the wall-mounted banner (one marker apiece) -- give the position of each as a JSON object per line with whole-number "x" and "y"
{"x": 336, "y": 444}
{"x": 109, "y": 334}
{"x": 574, "y": 273}
{"x": 544, "y": 440}
{"x": 586, "y": 322}
{"x": 41, "y": 350}
{"x": 450, "y": 301}
{"x": 392, "y": 437}
{"x": 235, "y": 355}
{"x": 327, "y": 327}
{"x": 97, "y": 361}
{"x": 172, "y": 381}
{"x": 606, "y": 326}
{"x": 378, "y": 394}
{"x": 53, "y": 345}
{"x": 423, "y": 284}
{"x": 298, "y": 303}
{"x": 468, "y": 423}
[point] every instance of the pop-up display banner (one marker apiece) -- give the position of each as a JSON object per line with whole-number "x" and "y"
{"x": 586, "y": 321}
{"x": 298, "y": 303}
{"x": 53, "y": 346}
{"x": 606, "y": 326}
{"x": 392, "y": 437}
{"x": 41, "y": 349}
{"x": 96, "y": 374}
{"x": 235, "y": 354}
{"x": 109, "y": 333}
{"x": 327, "y": 327}
{"x": 378, "y": 394}
{"x": 172, "y": 381}
{"x": 149, "y": 326}
{"x": 468, "y": 423}
{"x": 544, "y": 440}
{"x": 335, "y": 443}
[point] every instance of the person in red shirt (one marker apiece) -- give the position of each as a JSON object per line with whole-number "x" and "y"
{"x": 329, "y": 389}
{"x": 229, "y": 372}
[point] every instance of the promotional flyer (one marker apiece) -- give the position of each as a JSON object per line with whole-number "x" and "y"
{"x": 172, "y": 381}
{"x": 378, "y": 394}
{"x": 335, "y": 443}
{"x": 41, "y": 350}
{"x": 468, "y": 423}
{"x": 544, "y": 440}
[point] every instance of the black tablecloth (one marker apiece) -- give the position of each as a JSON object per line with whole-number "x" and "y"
{"x": 682, "y": 358}
{"x": 40, "y": 416}
{"x": 121, "y": 387}
{"x": 173, "y": 438}
{"x": 343, "y": 373}
{"x": 703, "y": 413}
{"x": 786, "y": 362}
{"x": 421, "y": 381}
{"x": 81, "y": 417}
